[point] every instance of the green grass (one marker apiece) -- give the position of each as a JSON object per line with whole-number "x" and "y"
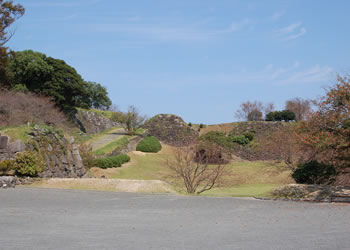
{"x": 243, "y": 179}
{"x": 114, "y": 145}
{"x": 17, "y": 133}
{"x": 103, "y": 113}
{"x": 95, "y": 137}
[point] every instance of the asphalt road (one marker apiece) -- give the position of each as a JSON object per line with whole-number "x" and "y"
{"x": 67, "y": 219}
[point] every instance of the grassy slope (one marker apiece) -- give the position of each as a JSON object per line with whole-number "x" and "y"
{"x": 243, "y": 179}
{"x": 16, "y": 133}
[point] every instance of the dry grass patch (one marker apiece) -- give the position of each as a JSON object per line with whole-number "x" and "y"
{"x": 143, "y": 186}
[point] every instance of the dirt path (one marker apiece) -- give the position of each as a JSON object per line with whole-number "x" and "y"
{"x": 108, "y": 138}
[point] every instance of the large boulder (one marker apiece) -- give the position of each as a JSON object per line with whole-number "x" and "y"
{"x": 171, "y": 130}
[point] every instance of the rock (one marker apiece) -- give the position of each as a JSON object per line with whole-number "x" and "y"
{"x": 4, "y": 142}
{"x": 7, "y": 181}
{"x": 92, "y": 123}
{"x": 16, "y": 146}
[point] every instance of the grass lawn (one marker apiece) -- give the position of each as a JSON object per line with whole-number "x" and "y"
{"x": 244, "y": 178}
{"x": 17, "y": 133}
{"x": 110, "y": 147}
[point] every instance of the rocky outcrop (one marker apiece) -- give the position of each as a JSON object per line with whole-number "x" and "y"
{"x": 61, "y": 155}
{"x": 91, "y": 123}
{"x": 171, "y": 130}
{"x": 302, "y": 192}
{"x": 7, "y": 181}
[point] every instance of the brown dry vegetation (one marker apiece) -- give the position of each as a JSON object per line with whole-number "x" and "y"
{"x": 18, "y": 108}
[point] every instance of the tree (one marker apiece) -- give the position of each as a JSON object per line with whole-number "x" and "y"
{"x": 255, "y": 115}
{"x": 284, "y": 115}
{"x": 327, "y": 131}
{"x": 194, "y": 168}
{"x": 253, "y": 111}
{"x": 9, "y": 13}
{"x": 98, "y": 96}
{"x": 300, "y": 107}
{"x": 51, "y": 77}
{"x": 131, "y": 120}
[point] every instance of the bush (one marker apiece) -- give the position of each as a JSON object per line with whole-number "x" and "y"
{"x": 6, "y": 166}
{"x": 87, "y": 155}
{"x": 249, "y": 135}
{"x": 240, "y": 139}
{"x": 190, "y": 124}
{"x": 217, "y": 137}
{"x": 149, "y": 144}
{"x": 284, "y": 115}
{"x": 314, "y": 172}
{"x": 112, "y": 161}
{"x": 29, "y": 163}
{"x": 201, "y": 125}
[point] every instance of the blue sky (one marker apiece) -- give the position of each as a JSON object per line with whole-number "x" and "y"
{"x": 196, "y": 58}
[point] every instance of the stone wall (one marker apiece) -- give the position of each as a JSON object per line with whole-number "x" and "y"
{"x": 91, "y": 123}
{"x": 61, "y": 155}
{"x": 171, "y": 129}
{"x": 9, "y": 149}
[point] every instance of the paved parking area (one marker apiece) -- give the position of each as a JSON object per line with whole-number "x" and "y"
{"x": 33, "y": 218}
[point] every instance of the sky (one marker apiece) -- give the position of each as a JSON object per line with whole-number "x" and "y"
{"x": 199, "y": 59}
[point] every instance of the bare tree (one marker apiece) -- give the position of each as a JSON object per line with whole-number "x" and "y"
{"x": 253, "y": 111}
{"x": 131, "y": 120}
{"x": 300, "y": 107}
{"x": 195, "y": 169}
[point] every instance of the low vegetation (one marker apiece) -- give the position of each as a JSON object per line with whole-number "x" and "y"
{"x": 112, "y": 161}
{"x": 28, "y": 163}
{"x": 150, "y": 144}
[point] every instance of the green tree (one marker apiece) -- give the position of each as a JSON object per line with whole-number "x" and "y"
{"x": 98, "y": 96}
{"x": 8, "y": 15}
{"x": 30, "y": 68}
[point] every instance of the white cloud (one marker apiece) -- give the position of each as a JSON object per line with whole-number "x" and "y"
{"x": 292, "y": 31}
{"x": 276, "y": 16}
{"x": 168, "y": 31}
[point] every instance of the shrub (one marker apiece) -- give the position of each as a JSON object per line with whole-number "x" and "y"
{"x": 6, "y": 166}
{"x": 29, "y": 163}
{"x": 149, "y": 144}
{"x": 201, "y": 125}
{"x": 284, "y": 115}
{"x": 87, "y": 155}
{"x": 314, "y": 172}
{"x": 112, "y": 161}
{"x": 240, "y": 139}
{"x": 190, "y": 124}
{"x": 249, "y": 135}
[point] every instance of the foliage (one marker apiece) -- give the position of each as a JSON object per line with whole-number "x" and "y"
{"x": 98, "y": 96}
{"x": 327, "y": 132}
{"x": 131, "y": 120}
{"x": 198, "y": 175}
{"x": 149, "y": 144}
{"x": 218, "y": 138}
{"x": 6, "y": 166}
{"x": 112, "y": 161}
{"x": 29, "y": 163}
{"x": 241, "y": 140}
{"x": 314, "y": 172}
{"x": 10, "y": 12}
{"x": 56, "y": 79}
{"x": 201, "y": 125}
{"x": 300, "y": 107}
{"x": 284, "y": 115}
{"x": 87, "y": 155}
{"x": 190, "y": 124}
{"x": 249, "y": 135}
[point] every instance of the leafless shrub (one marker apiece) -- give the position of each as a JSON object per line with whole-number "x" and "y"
{"x": 198, "y": 175}
{"x": 17, "y": 108}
